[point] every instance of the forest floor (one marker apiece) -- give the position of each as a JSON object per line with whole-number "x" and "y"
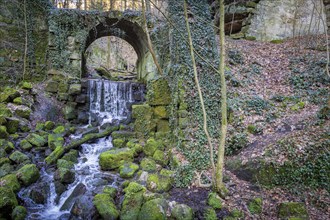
{"x": 285, "y": 86}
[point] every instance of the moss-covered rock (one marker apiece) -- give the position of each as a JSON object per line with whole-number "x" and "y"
{"x": 214, "y": 200}
{"x": 55, "y": 140}
{"x": 49, "y": 125}
{"x": 18, "y": 101}
{"x": 144, "y": 123}
{"x": 151, "y": 146}
{"x": 154, "y": 210}
{"x": 3, "y": 120}
{"x": 182, "y": 212}
{"x": 161, "y": 112}
{"x": 255, "y": 206}
{"x": 59, "y": 129}
{"x": 289, "y": 210}
{"x": 4, "y": 160}
{"x": 12, "y": 125}
{"x": 72, "y": 156}
{"x": 6, "y": 145}
{"x": 52, "y": 158}
{"x": 132, "y": 202}
{"x": 163, "y": 126}
{"x": 10, "y": 181}
{"x": 148, "y": 165}
{"x": 112, "y": 191}
{"x": 74, "y": 89}
{"x": 113, "y": 159}
{"x": 28, "y": 174}
{"x": 23, "y": 111}
{"x": 64, "y": 175}
{"x": 159, "y": 183}
{"x": 118, "y": 143}
{"x": 210, "y": 214}
{"x": 105, "y": 207}
{"x": 19, "y": 158}
{"x": 3, "y": 132}
{"x": 160, "y": 157}
{"x": 9, "y": 94}
{"x": 7, "y": 200}
{"x": 19, "y": 213}
{"x": 127, "y": 170}
{"x": 4, "y": 111}
{"x": 25, "y": 145}
{"x": 64, "y": 164}
{"x": 6, "y": 169}
{"x": 36, "y": 140}
{"x": 27, "y": 86}
{"x": 124, "y": 135}
{"x": 159, "y": 92}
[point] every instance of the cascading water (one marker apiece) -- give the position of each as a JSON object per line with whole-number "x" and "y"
{"x": 108, "y": 102}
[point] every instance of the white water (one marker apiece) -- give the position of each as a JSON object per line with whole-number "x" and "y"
{"x": 108, "y": 101}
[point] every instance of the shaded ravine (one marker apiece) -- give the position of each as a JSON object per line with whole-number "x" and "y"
{"x": 110, "y": 102}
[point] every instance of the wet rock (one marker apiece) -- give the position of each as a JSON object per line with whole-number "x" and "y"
{"x": 3, "y": 132}
{"x": 19, "y": 158}
{"x": 70, "y": 111}
{"x": 7, "y": 200}
{"x": 153, "y": 210}
{"x": 133, "y": 201}
{"x": 148, "y": 164}
{"x": 11, "y": 181}
{"x": 6, "y": 169}
{"x": 81, "y": 99}
{"x": 19, "y": 213}
{"x": 83, "y": 207}
{"x": 127, "y": 170}
{"x": 59, "y": 187}
{"x": 64, "y": 175}
{"x": 79, "y": 190}
{"x": 112, "y": 159}
{"x": 38, "y": 193}
{"x": 25, "y": 145}
{"x": 105, "y": 206}
{"x": 28, "y": 174}
{"x": 36, "y": 140}
{"x": 182, "y": 212}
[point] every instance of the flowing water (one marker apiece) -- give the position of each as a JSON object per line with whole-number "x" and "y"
{"x": 108, "y": 101}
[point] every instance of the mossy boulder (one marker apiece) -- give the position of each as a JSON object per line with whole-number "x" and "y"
{"x": 59, "y": 129}
{"x": 64, "y": 175}
{"x": 4, "y": 160}
{"x": 214, "y": 200}
{"x": 27, "y": 86}
{"x": 49, "y": 125}
{"x": 19, "y": 213}
{"x": 36, "y": 140}
{"x": 7, "y": 146}
{"x": 23, "y": 111}
{"x": 143, "y": 115}
{"x": 163, "y": 126}
{"x": 182, "y": 212}
{"x": 127, "y": 170}
{"x": 25, "y": 145}
{"x": 12, "y": 125}
{"x": 154, "y": 210}
{"x": 19, "y": 158}
{"x": 161, "y": 112}
{"x": 118, "y": 143}
{"x": 55, "y": 140}
{"x": 4, "y": 111}
{"x": 28, "y": 174}
{"x": 159, "y": 183}
{"x": 7, "y": 200}
{"x": 151, "y": 146}
{"x": 161, "y": 157}
{"x": 64, "y": 164}
{"x": 255, "y": 206}
{"x": 72, "y": 156}
{"x": 112, "y": 191}
{"x": 148, "y": 165}
{"x": 18, "y": 101}
{"x": 133, "y": 201}
{"x": 9, "y": 94}
{"x": 114, "y": 158}
{"x": 3, "y": 132}
{"x": 288, "y": 210}
{"x": 106, "y": 207}
{"x": 3, "y": 120}
{"x": 159, "y": 92}
{"x": 210, "y": 214}
{"x": 52, "y": 158}
{"x": 51, "y": 86}
{"x": 10, "y": 181}
{"x": 74, "y": 89}
{"x": 6, "y": 169}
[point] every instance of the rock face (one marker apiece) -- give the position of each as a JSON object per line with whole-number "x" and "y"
{"x": 285, "y": 18}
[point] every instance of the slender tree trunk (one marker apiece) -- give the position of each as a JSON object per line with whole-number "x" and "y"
{"x": 109, "y": 53}
{"x": 222, "y": 142}
{"x": 26, "y": 41}
{"x": 199, "y": 90}
{"x": 150, "y": 47}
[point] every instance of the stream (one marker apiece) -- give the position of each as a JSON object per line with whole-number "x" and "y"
{"x": 109, "y": 103}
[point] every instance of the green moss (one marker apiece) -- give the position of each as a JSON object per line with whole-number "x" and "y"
{"x": 251, "y": 38}
{"x": 277, "y": 41}
{"x": 112, "y": 159}
{"x": 214, "y": 200}
{"x": 127, "y": 170}
{"x": 6, "y": 145}
{"x": 59, "y": 130}
{"x": 3, "y": 120}
{"x": 118, "y": 143}
{"x": 163, "y": 126}
{"x": 161, "y": 112}
{"x": 9, "y": 94}
{"x": 18, "y": 101}
{"x": 160, "y": 157}
{"x": 12, "y": 125}
{"x": 19, "y": 158}
{"x": 105, "y": 206}
{"x": 292, "y": 209}
{"x": 49, "y": 125}
{"x": 4, "y": 160}
{"x": 64, "y": 175}
{"x": 182, "y": 212}
{"x": 148, "y": 165}
{"x": 23, "y": 112}
{"x": 72, "y": 156}
{"x": 210, "y": 214}
{"x": 27, "y": 85}
{"x": 11, "y": 181}
{"x": 110, "y": 190}
{"x": 255, "y": 206}
{"x": 52, "y": 158}
{"x": 153, "y": 210}
{"x": 158, "y": 92}
{"x": 36, "y": 140}
{"x": 4, "y": 111}
{"x": 64, "y": 164}
{"x": 19, "y": 213}
{"x": 159, "y": 183}
{"x": 143, "y": 115}
{"x": 124, "y": 135}
{"x": 3, "y": 132}
{"x": 7, "y": 199}
{"x": 151, "y": 146}
{"x": 133, "y": 201}
{"x": 55, "y": 140}
{"x": 28, "y": 174}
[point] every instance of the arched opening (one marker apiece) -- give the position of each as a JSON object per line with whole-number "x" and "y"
{"x": 111, "y": 58}
{"x": 128, "y": 31}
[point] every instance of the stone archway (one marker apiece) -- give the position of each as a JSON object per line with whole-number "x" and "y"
{"x": 129, "y": 31}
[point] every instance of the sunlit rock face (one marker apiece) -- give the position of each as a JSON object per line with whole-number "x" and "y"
{"x": 287, "y": 18}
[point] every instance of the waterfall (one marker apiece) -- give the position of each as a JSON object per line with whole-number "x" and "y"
{"x": 109, "y": 102}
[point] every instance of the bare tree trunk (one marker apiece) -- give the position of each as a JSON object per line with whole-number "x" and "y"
{"x": 199, "y": 91}
{"x": 26, "y": 41}
{"x": 160, "y": 71}
{"x": 222, "y": 142}
{"x": 109, "y": 53}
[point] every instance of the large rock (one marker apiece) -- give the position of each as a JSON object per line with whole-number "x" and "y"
{"x": 127, "y": 170}
{"x": 19, "y": 158}
{"x": 28, "y": 174}
{"x": 11, "y": 181}
{"x": 74, "y": 89}
{"x": 143, "y": 115}
{"x": 283, "y": 18}
{"x": 3, "y": 132}
{"x": 160, "y": 182}
{"x": 113, "y": 159}
{"x": 151, "y": 146}
{"x": 158, "y": 92}
{"x": 23, "y": 111}
{"x": 19, "y": 213}
{"x": 8, "y": 95}
{"x": 148, "y": 165}
{"x": 7, "y": 200}
{"x": 154, "y": 210}
{"x": 64, "y": 175}
{"x": 36, "y": 140}
{"x": 4, "y": 111}
{"x": 133, "y": 201}
{"x": 182, "y": 212}
{"x": 106, "y": 207}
